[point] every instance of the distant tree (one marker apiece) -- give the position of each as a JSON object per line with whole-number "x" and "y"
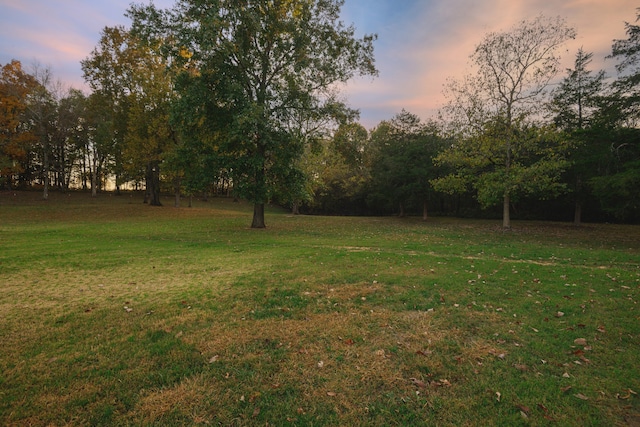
{"x": 42, "y": 109}
{"x": 109, "y": 72}
{"x": 69, "y": 136}
{"x": 492, "y": 111}
{"x": 402, "y": 161}
{"x": 260, "y": 63}
{"x": 16, "y": 137}
{"x": 337, "y": 170}
{"x": 619, "y": 115}
{"x": 98, "y": 148}
{"x": 574, "y": 106}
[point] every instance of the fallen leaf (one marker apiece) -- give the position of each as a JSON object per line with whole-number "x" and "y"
{"x": 331, "y": 393}
{"x": 416, "y": 382}
{"x": 349, "y": 341}
{"x": 522, "y": 368}
{"x": 601, "y": 329}
{"x": 524, "y": 409}
{"x": 581, "y": 396}
{"x": 320, "y": 364}
{"x": 566, "y": 375}
{"x": 626, "y": 396}
{"x": 424, "y": 353}
{"x": 256, "y": 412}
{"x": 542, "y": 408}
{"x": 559, "y": 314}
{"x": 566, "y": 389}
{"x": 498, "y": 396}
{"x": 580, "y": 341}
{"x": 214, "y": 359}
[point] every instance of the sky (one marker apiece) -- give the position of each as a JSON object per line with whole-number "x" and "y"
{"x": 421, "y": 43}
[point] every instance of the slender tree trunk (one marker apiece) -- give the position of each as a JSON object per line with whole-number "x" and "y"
{"x": 84, "y": 170}
{"x": 401, "y": 210}
{"x": 506, "y": 213}
{"x": 425, "y": 215}
{"x": 260, "y": 192}
{"x": 295, "y": 210}
{"x": 577, "y": 214}
{"x": 153, "y": 183}
{"x": 94, "y": 175}
{"x": 176, "y": 188}
{"x": 45, "y": 164}
{"x": 258, "y": 216}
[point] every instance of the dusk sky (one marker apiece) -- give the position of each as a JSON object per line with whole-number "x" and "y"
{"x": 420, "y": 42}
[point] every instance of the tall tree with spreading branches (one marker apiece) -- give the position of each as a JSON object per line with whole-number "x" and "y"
{"x": 260, "y": 63}
{"x": 493, "y": 111}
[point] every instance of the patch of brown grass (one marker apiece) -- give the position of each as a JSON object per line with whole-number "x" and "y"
{"x": 344, "y": 360}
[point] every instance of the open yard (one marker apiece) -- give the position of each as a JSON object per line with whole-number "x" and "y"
{"x": 116, "y": 313}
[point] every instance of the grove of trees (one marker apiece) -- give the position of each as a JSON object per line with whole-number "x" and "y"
{"x": 242, "y": 98}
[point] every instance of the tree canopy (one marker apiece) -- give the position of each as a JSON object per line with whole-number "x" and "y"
{"x": 499, "y": 149}
{"x": 260, "y": 64}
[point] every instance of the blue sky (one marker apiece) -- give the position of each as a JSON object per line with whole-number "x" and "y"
{"x": 420, "y": 43}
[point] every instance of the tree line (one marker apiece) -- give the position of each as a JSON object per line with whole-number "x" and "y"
{"x": 243, "y": 97}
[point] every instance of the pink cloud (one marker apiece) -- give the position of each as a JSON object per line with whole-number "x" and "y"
{"x": 436, "y": 42}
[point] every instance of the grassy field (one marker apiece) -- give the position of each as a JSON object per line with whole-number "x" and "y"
{"x": 116, "y": 313}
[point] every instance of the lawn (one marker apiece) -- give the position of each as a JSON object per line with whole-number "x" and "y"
{"x": 117, "y": 313}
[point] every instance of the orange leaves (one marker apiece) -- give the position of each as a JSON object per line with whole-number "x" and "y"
{"x": 15, "y": 86}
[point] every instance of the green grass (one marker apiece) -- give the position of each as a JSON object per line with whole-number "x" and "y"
{"x": 116, "y": 313}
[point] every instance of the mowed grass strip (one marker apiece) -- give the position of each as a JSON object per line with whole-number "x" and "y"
{"x": 116, "y": 313}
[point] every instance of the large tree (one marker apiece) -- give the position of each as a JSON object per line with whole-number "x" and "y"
{"x": 574, "y": 105}
{"x": 617, "y": 187}
{"x": 16, "y": 137}
{"x": 260, "y": 63}
{"x": 492, "y": 111}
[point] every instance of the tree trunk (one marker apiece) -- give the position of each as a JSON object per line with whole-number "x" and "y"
{"x": 94, "y": 177}
{"x": 45, "y": 166}
{"x": 153, "y": 183}
{"x": 506, "y": 214}
{"x": 425, "y": 215}
{"x": 401, "y": 212}
{"x": 295, "y": 210}
{"x": 258, "y": 216}
{"x": 577, "y": 214}
{"x": 176, "y": 188}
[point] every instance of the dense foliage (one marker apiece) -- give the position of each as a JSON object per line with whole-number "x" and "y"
{"x": 240, "y": 98}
